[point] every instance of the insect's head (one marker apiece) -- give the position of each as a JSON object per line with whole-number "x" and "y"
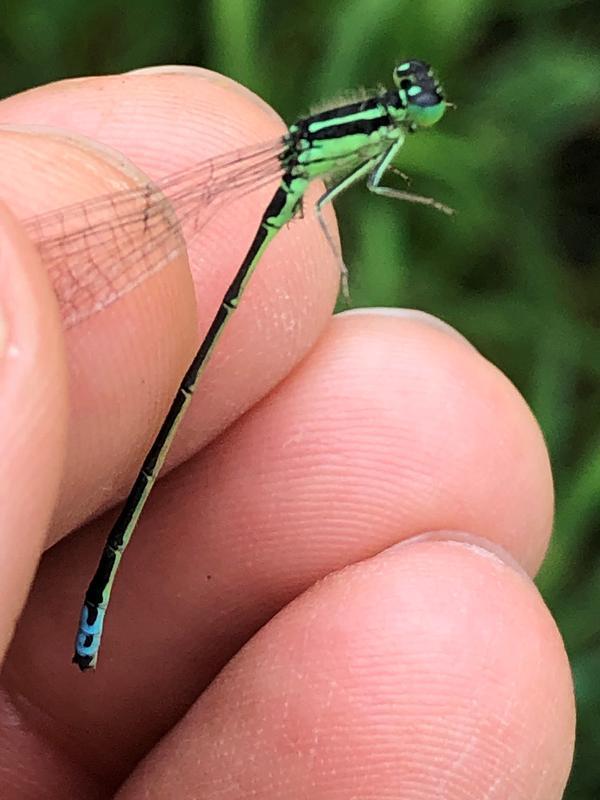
{"x": 422, "y": 94}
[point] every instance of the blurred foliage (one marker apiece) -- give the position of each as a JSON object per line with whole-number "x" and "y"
{"x": 517, "y": 270}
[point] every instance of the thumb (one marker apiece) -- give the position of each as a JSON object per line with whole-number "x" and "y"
{"x": 33, "y": 415}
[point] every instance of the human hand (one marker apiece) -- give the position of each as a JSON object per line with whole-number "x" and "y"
{"x": 315, "y": 454}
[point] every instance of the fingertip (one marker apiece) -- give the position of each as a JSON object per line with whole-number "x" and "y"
{"x": 423, "y": 667}
{"x": 139, "y": 309}
{"x": 481, "y": 427}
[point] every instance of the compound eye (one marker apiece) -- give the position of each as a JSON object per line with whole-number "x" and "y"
{"x": 406, "y": 83}
{"x": 427, "y": 99}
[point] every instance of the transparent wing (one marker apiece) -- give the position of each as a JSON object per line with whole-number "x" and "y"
{"x": 97, "y": 250}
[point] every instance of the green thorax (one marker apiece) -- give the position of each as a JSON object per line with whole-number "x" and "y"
{"x": 339, "y": 139}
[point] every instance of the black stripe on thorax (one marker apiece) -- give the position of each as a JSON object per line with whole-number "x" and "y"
{"x": 382, "y": 101}
{"x": 365, "y": 126}
{"x": 366, "y": 104}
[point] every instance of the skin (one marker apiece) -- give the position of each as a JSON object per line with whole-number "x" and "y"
{"x": 338, "y": 573}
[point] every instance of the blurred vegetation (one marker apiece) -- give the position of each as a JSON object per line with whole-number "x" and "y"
{"x": 517, "y": 270}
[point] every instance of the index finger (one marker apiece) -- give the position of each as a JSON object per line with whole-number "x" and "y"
{"x": 127, "y": 368}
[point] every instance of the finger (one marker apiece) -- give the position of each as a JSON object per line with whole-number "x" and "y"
{"x": 423, "y": 672}
{"x": 103, "y": 351}
{"x": 165, "y": 122}
{"x": 33, "y": 414}
{"x": 389, "y": 428}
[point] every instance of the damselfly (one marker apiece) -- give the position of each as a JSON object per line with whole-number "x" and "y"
{"x": 112, "y": 243}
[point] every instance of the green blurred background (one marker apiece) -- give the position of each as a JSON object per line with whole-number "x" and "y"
{"x": 517, "y": 270}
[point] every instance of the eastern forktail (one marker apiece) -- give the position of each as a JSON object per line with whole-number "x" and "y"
{"x": 126, "y": 232}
